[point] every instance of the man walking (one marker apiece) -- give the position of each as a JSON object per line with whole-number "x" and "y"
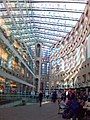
{"x": 40, "y": 98}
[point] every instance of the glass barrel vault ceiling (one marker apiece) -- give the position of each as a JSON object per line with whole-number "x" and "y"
{"x": 43, "y": 21}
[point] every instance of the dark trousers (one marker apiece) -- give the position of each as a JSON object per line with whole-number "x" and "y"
{"x": 40, "y": 102}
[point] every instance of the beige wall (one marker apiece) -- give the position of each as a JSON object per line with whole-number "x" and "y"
{"x": 84, "y": 73}
{"x": 80, "y": 38}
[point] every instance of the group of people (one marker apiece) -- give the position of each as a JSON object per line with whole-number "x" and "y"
{"x": 72, "y": 104}
{"x": 70, "y": 101}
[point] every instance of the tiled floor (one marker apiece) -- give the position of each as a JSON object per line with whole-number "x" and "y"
{"x": 48, "y": 111}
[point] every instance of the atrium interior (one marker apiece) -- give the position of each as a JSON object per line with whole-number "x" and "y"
{"x": 44, "y": 46}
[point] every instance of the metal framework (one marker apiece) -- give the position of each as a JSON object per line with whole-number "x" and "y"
{"x": 50, "y": 1}
{"x": 45, "y": 21}
{"x": 37, "y": 22}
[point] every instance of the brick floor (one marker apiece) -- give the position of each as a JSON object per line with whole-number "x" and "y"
{"x": 31, "y": 112}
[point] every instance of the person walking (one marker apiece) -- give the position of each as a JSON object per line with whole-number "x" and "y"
{"x": 54, "y": 96}
{"x": 74, "y": 108}
{"x": 40, "y": 98}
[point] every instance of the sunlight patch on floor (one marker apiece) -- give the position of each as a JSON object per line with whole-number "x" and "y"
{"x": 45, "y": 102}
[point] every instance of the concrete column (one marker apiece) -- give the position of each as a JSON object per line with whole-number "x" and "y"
{"x": 39, "y": 84}
{"x": 18, "y": 87}
{"x": 25, "y": 75}
{"x": 50, "y": 85}
{"x": 38, "y": 64}
{"x": 33, "y": 83}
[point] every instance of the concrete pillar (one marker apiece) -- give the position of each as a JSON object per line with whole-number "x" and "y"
{"x": 33, "y": 83}
{"x": 38, "y": 64}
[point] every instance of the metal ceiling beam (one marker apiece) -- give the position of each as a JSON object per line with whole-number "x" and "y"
{"x": 45, "y": 28}
{"x": 36, "y": 37}
{"x": 57, "y": 24}
{"x": 60, "y": 1}
{"x": 41, "y": 28}
{"x": 24, "y": 37}
{"x": 56, "y": 17}
{"x": 45, "y": 44}
{"x": 31, "y": 43}
{"x": 49, "y": 41}
{"x": 43, "y": 41}
{"x": 26, "y": 41}
{"x": 60, "y": 24}
{"x": 56, "y": 10}
{"x": 37, "y": 16}
{"x": 46, "y": 9}
{"x": 50, "y": 34}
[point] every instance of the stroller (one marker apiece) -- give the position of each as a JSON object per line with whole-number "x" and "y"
{"x": 61, "y": 106}
{"x": 67, "y": 113}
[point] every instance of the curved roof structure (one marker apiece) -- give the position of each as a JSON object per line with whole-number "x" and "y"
{"x": 46, "y": 21}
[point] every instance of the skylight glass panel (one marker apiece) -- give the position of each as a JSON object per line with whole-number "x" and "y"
{"x": 1, "y": 13}
{"x": 70, "y": 22}
{"x": 24, "y": 12}
{"x": 2, "y": 5}
{"x": 44, "y": 21}
{"x": 17, "y": 19}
